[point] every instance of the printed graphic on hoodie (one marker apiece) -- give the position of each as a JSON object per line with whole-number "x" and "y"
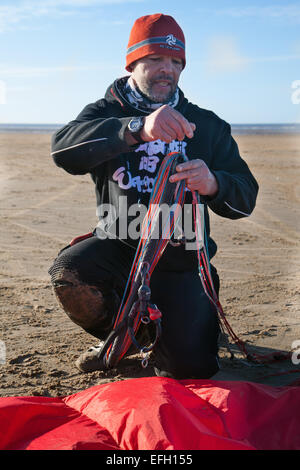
{"x": 153, "y": 152}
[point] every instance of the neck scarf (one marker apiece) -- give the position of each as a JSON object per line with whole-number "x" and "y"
{"x": 141, "y": 102}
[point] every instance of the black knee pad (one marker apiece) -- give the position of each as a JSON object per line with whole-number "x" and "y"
{"x": 91, "y": 305}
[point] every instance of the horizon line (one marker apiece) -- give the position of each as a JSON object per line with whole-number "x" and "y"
{"x": 64, "y": 124}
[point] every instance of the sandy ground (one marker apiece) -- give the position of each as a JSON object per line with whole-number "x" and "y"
{"x": 43, "y": 208}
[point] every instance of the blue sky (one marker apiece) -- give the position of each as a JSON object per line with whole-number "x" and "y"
{"x": 56, "y": 56}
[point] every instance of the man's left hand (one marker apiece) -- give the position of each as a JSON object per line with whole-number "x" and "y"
{"x": 198, "y": 177}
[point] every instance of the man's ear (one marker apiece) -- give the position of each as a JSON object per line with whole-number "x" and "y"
{"x": 132, "y": 66}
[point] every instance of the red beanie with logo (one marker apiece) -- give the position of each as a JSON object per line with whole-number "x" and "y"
{"x": 155, "y": 34}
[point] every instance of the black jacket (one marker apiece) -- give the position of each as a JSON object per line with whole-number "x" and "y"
{"x": 94, "y": 143}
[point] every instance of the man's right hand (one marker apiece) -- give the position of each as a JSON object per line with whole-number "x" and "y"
{"x": 166, "y": 124}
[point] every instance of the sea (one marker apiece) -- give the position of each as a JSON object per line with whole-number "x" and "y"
{"x": 238, "y": 129}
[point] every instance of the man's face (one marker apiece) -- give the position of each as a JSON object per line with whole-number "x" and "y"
{"x": 157, "y": 76}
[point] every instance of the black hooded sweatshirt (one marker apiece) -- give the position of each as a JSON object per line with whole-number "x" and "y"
{"x": 95, "y": 143}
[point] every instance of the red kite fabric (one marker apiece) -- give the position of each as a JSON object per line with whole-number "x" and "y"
{"x": 156, "y": 413}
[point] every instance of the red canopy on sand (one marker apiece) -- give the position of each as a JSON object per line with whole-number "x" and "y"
{"x": 156, "y": 413}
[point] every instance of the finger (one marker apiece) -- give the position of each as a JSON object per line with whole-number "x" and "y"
{"x": 184, "y": 123}
{"x": 171, "y": 120}
{"x": 186, "y": 127}
{"x": 169, "y": 130}
{"x": 163, "y": 133}
{"x": 164, "y": 136}
{"x": 194, "y": 187}
{"x": 194, "y": 182}
{"x": 183, "y": 175}
{"x": 177, "y": 128}
{"x": 199, "y": 183}
{"x": 192, "y": 164}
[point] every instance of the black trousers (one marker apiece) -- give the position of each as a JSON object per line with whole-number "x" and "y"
{"x": 188, "y": 345}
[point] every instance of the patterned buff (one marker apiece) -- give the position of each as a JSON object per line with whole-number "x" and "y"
{"x": 141, "y": 102}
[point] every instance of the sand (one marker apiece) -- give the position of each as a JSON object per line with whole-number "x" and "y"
{"x": 43, "y": 208}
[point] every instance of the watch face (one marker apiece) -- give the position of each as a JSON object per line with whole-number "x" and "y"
{"x": 135, "y": 125}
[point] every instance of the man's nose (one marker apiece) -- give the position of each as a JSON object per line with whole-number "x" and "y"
{"x": 167, "y": 65}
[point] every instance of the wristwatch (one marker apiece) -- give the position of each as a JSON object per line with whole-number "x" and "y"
{"x": 135, "y": 126}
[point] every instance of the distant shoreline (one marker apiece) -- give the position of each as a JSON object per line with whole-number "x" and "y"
{"x": 288, "y": 128}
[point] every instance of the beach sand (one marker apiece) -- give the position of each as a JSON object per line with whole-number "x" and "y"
{"x": 43, "y": 208}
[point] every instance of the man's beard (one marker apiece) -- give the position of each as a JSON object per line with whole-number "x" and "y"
{"x": 146, "y": 88}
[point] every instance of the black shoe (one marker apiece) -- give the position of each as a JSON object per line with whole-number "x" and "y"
{"x": 89, "y": 360}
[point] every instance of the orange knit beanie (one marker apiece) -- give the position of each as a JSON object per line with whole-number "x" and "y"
{"x": 155, "y": 34}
